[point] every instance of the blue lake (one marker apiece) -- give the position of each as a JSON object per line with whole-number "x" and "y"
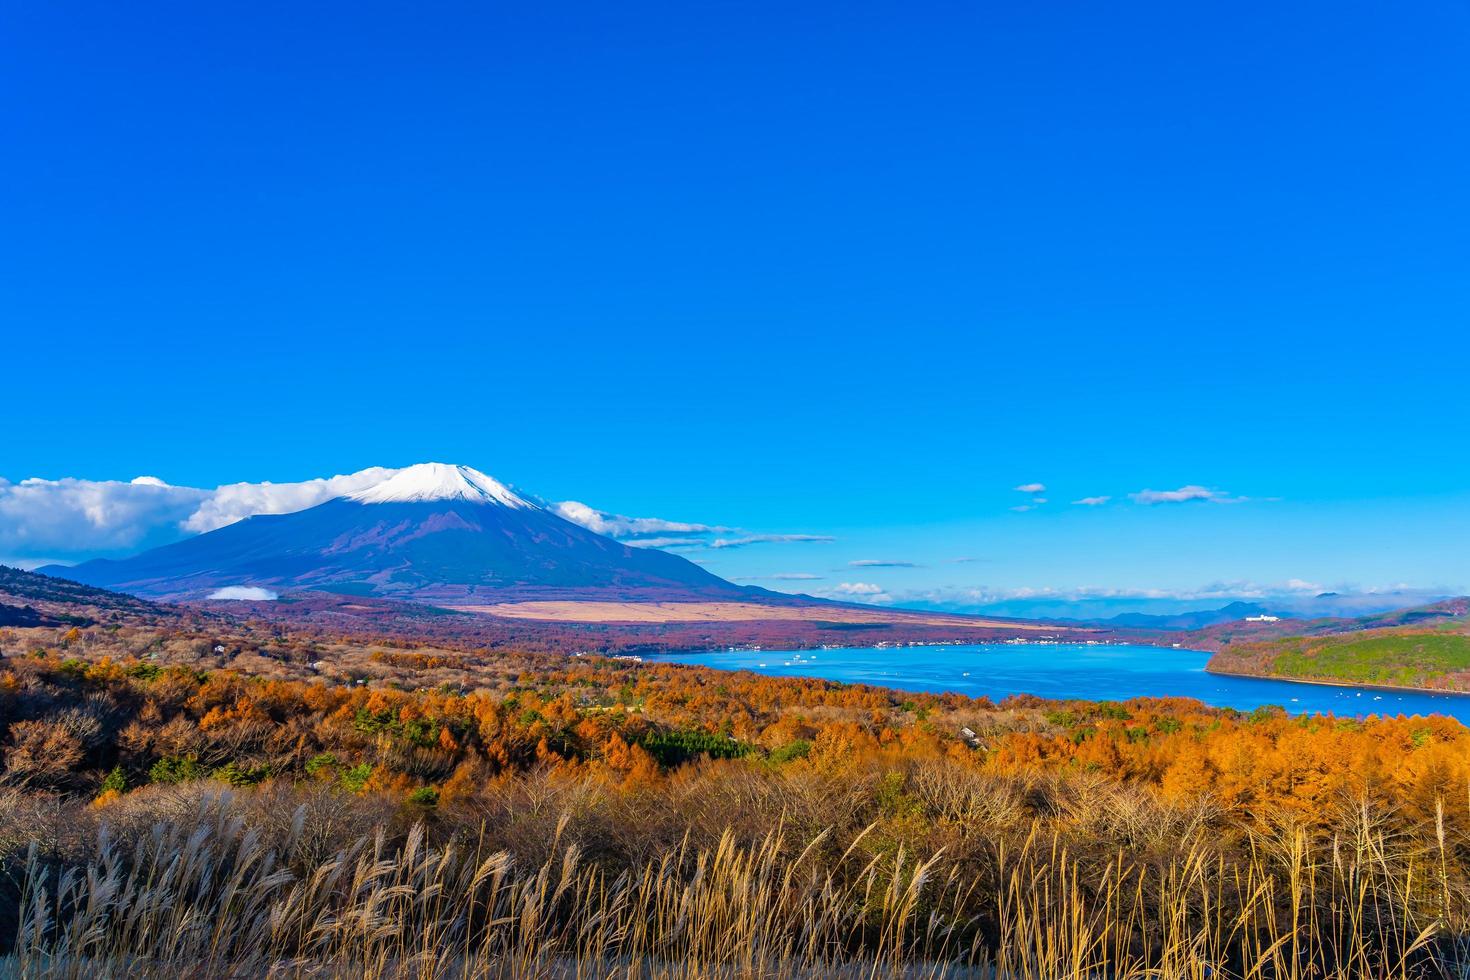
{"x": 1112, "y": 672}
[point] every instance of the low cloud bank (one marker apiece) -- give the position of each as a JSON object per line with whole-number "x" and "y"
{"x": 244, "y": 593}
{"x": 73, "y": 519}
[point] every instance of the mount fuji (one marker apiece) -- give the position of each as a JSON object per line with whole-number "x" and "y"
{"x": 430, "y": 532}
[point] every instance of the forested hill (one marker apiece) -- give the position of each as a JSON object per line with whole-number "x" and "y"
{"x": 29, "y": 599}
{"x": 1427, "y": 648}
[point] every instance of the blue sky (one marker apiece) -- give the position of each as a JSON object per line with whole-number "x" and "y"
{"x": 851, "y": 271}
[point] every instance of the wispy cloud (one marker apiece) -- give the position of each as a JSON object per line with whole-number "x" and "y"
{"x": 667, "y": 543}
{"x": 880, "y": 563}
{"x": 1186, "y": 494}
{"x": 750, "y": 539}
{"x": 655, "y": 532}
{"x": 1035, "y": 502}
{"x": 618, "y": 526}
{"x": 782, "y": 577}
{"x": 1092, "y": 501}
{"x": 963, "y": 561}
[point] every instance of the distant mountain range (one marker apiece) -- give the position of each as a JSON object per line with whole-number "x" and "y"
{"x": 1105, "y": 609}
{"x": 1233, "y": 612}
{"x": 431, "y": 532}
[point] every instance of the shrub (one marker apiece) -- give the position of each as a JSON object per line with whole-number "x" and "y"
{"x": 677, "y": 747}
{"x": 355, "y": 778}
{"x": 145, "y": 671}
{"x": 116, "y": 781}
{"x": 234, "y": 774}
{"x": 176, "y": 769}
{"x": 791, "y": 751}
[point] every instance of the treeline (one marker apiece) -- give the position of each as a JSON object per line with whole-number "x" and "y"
{"x": 75, "y": 725}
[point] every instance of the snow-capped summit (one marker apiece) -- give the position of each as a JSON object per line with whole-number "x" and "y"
{"x": 433, "y": 532}
{"x": 439, "y": 481}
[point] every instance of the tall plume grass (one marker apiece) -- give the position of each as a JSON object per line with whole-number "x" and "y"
{"x": 209, "y": 899}
{"x": 207, "y": 896}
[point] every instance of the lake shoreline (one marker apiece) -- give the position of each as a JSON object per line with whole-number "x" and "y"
{"x": 1075, "y": 672}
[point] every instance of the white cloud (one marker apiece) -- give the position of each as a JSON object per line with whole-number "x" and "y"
{"x": 859, "y": 588}
{"x": 244, "y": 593}
{"x": 70, "y": 516}
{"x": 1092, "y": 501}
{"x": 1023, "y": 508}
{"x": 618, "y": 526}
{"x": 1032, "y": 488}
{"x": 237, "y": 501}
{"x": 741, "y": 542}
{"x": 880, "y": 563}
{"x": 1185, "y": 494}
{"x": 858, "y": 592}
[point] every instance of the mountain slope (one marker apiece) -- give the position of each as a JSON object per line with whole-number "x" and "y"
{"x": 30, "y": 599}
{"x": 430, "y": 532}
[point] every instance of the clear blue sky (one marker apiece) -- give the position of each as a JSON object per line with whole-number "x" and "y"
{"x": 849, "y": 269}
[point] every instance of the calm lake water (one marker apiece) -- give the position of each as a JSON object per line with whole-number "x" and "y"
{"x": 1071, "y": 671}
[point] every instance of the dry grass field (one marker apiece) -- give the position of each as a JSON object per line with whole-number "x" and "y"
{"x": 574, "y": 611}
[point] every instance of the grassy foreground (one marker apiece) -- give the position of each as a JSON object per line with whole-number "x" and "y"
{"x": 228, "y": 884}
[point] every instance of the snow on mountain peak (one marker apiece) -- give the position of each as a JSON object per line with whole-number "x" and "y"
{"x": 439, "y": 481}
